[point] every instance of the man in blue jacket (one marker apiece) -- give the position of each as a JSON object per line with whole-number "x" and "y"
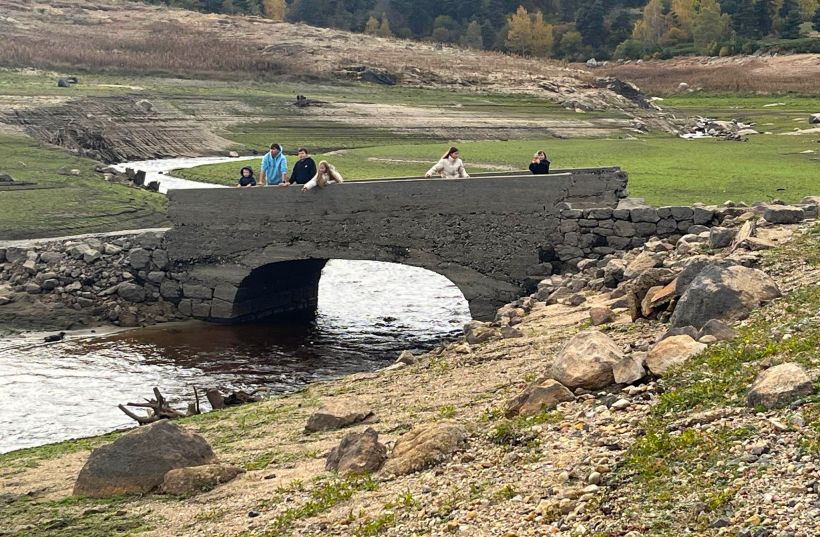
{"x": 274, "y": 170}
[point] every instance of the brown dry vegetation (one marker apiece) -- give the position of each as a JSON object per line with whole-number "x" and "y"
{"x": 799, "y": 73}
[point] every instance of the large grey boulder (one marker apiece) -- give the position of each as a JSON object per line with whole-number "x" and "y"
{"x": 137, "y": 462}
{"x": 425, "y": 446}
{"x": 672, "y": 352}
{"x": 720, "y": 330}
{"x": 628, "y": 370}
{"x": 586, "y": 361}
{"x": 195, "y": 479}
{"x": 721, "y": 237}
{"x": 643, "y": 262}
{"x": 724, "y": 293}
{"x": 783, "y": 214}
{"x": 542, "y": 395}
{"x": 337, "y": 414}
{"x": 358, "y": 453}
{"x": 478, "y": 332}
{"x": 779, "y": 386}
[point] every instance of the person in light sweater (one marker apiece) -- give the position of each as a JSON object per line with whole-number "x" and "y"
{"x": 325, "y": 175}
{"x": 449, "y": 167}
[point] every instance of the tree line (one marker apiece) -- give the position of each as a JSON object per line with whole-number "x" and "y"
{"x": 573, "y": 30}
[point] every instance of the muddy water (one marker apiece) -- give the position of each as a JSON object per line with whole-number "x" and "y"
{"x": 368, "y": 312}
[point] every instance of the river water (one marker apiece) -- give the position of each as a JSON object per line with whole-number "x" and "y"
{"x": 368, "y": 312}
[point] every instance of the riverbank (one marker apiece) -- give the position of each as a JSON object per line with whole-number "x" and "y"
{"x": 679, "y": 454}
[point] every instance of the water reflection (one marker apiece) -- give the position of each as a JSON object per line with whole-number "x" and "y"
{"x": 368, "y": 312}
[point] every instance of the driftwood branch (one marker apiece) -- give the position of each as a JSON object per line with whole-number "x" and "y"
{"x": 159, "y": 409}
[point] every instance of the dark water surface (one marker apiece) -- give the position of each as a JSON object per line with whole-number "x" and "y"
{"x": 368, "y": 313}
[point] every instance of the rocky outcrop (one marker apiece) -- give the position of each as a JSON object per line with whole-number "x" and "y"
{"x": 136, "y": 463}
{"x": 586, "y": 361}
{"x": 358, "y": 453}
{"x": 425, "y": 446}
{"x": 779, "y": 386}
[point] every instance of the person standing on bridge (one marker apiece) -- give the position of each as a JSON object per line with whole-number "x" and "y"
{"x": 304, "y": 169}
{"x": 449, "y": 167}
{"x": 540, "y": 164}
{"x": 274, "y": 170}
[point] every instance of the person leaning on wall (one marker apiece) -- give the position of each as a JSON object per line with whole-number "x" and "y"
{"x": 540, "y": 164}
{"x": 449, "y": 166}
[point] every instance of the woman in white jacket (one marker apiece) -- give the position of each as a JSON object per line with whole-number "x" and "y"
{"x": 325, "y": 174}
{"x": 449, "y": 167}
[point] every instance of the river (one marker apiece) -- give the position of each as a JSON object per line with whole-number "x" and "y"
{"x": 368, "y": 312}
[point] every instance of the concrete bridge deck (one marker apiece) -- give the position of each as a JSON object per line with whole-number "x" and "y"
{"x": 253, "y": 253}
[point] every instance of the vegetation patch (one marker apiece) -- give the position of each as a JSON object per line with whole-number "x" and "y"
{"x": 25, "y": 516}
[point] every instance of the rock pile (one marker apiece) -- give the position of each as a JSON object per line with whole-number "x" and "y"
{"x": 130, "y": 177}
{"x": 124, "y": 278}
{"x": 734, "y": 130}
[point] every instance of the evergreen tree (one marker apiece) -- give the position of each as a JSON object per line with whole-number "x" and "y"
{"x": 816, "y": 19}
{"x": 791, "y": 26}
{"x": 763, "y": 17}
{"x": 590, "y": 22}
{"x": 620, "y": 28}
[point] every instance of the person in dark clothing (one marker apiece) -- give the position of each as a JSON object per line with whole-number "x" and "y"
{"x": 247, "y": 178}
{"x": 304, "y": 169}
{"x": 540, "y": 164}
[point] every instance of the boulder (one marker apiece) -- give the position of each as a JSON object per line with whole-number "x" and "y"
{"x": 644, "y": 261}
{"x": 690, "y": 331}
{"x": 478, "y": 332}
{"x": 628, "y": 370}
{"x": 194, "y": 479}
{"x": 407, "y": 358}
{"x": 783, "y": 214}
{"x": 337, "y": 414}
{"x": 139, "y": 258}
{"x": 358, "y": 453}
{"x": 600, "y": 316}
{"x": 544, "y": 394}
{"x": 671, "y": 352}
{"x": 136, "y": 463}
{"x": 721, "y": 237}
{"x": 586, "y": 361}
{"x": 425, "y": 446}
{"x": 814, "y": 118}
{"x": 779, "y": 386}
{"x": 725, "y": 293}
{"x": 720, "y": 330}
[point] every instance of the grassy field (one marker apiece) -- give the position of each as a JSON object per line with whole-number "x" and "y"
{"x": 664, "y": 170}
{"x": 71, "y": 204}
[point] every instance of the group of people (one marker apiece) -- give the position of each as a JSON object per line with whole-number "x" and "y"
{"x": 274, "y": 169}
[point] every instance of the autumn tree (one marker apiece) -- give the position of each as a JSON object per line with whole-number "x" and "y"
{"x": 653, "y": 25}
{"x": 371, "y": 26}
{"x": 542, "y": 35}
{"x": 519, "y": 33}
{"x": 275, "y": 9}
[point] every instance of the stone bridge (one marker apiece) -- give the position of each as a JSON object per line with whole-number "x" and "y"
{"x": 255, "y": 253}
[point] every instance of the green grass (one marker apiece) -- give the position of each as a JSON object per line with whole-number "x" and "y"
{"x": 70, "y": 517}
{"x": 675, "y": 469}
{"x": 72, "y": 204}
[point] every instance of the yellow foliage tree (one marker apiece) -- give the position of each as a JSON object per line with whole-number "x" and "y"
{"x": 371, "y": 26}
{"x": 654, "y": 24}
{"x": 275, "y": 9}
{"x": 684, "y": 11}
{"x": 519, "y": 35}
{"x": 542, "y": 36}
{"x": 384, "y": 28}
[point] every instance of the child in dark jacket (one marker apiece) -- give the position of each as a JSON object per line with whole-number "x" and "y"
{"x": 247, "y": 178}
{"x": 540, "y": 164}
